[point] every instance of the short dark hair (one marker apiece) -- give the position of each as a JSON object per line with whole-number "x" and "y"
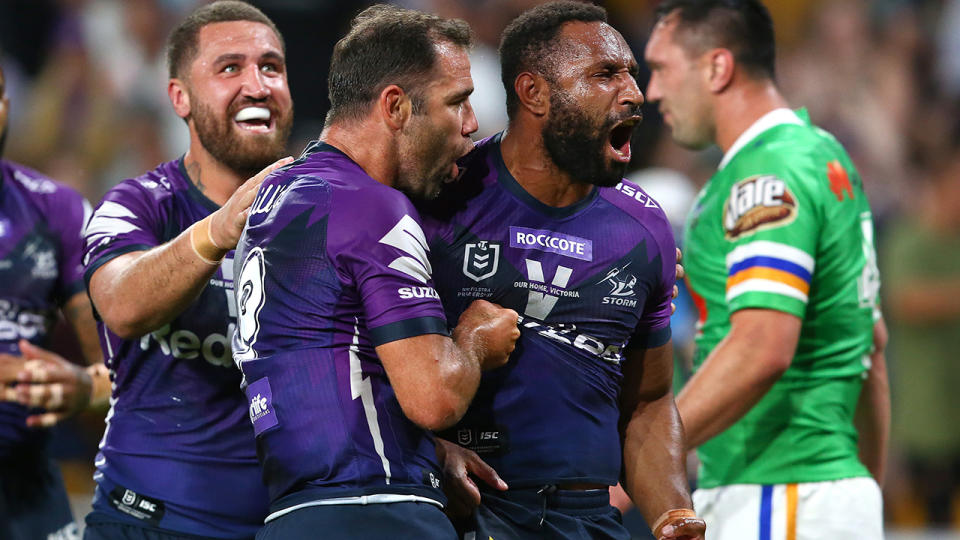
{"x": 742, "y": 26}
{"x": 182, "y": 45}
{"x": 529, "y": 41}
{"x": 387, "y": 45}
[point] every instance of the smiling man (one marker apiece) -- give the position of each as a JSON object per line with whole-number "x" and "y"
{"x": 177, "y": 458}
{"x": 543, "y": 222}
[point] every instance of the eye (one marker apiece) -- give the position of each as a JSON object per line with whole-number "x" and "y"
{"x": 231, "y": 68}
{"x": 269, "y": 68}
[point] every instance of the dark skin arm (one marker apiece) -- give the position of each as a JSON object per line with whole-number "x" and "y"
{"x": 653, "y": 449}
{"x": 873, "y": 409}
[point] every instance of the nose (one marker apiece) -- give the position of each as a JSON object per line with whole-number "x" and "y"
{"x": 255, "y": 84}
{"x": 469, "y": 124}
{"x": 653, "y": 90}
{"x": 631, "y": 94}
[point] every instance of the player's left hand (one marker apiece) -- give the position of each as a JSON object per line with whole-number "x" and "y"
{"x": 462, "y": 492}
{"x": 46, "y": 380}
{"x": 681, "y": 273}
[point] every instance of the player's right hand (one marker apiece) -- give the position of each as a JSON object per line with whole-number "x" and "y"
{"x": 45, "y": 380}
{"x": 493, "y": 332}
{"x": 459, "y": 464}
{"x": 226, "y": 224}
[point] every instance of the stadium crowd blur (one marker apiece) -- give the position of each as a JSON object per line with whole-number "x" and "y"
{"x": 87, "y": 79}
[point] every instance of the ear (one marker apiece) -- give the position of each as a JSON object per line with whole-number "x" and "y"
{"x": 719, "y": 69}
{"x": 533, "y": 93}
{"x": 394, "y": 106}
{"x": 179, "y": 97}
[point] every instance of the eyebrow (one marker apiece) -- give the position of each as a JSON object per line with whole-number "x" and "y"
{"x": 234, "y": 57}
{"x": 461, "y": 95}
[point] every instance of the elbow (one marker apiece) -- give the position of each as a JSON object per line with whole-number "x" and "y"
{"x": 125, "y": 323}
{"x": 435, "y": 414}
{"x": 777, "y": 365}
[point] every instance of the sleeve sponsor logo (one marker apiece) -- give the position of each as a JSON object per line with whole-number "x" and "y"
{"x": 552, "y": 242}
{"x": 406, "y": 293}
{"x": 839, "y": 180}
{"x": 261, "y": 411}
{"x": 758, "y": 203}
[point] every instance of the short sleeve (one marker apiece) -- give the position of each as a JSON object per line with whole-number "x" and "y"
{"x": 383, "y": 251}
{"x": 67, "y": 216}
{"x": 771, "y": 227}
{"x": 653, "y": 329}
{"x": 125, "y": 221}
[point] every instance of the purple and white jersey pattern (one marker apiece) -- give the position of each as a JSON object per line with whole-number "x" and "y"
{"x": 41, "y": 242}
{"x": 589, "y": 281}
{"x": 332, "y": 264}
{"x": 178, "y": 450}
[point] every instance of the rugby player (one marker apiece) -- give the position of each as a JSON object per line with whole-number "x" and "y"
{"x": 41, "y": 243}
{"x": 341, "y": 338}
{"x": 177, "y": 458}
{"x": 781, "y": 265}
{"x": 543, "y": 222}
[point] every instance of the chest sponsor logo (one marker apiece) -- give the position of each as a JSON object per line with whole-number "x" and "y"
{"x": 757, "y": 203}
{"x": 622, "y": 285}
{"x": 262, "y": 414}
{"x": 551, "y": 242}
{"x": 568, "y": 335}
{"x": 183, "y": 344}
{"x": 17, "y": 323}
{"x": 481, "y": 260}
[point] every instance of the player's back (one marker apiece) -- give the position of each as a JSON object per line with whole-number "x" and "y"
{"x": 316, "y": 295}
{"x": 785, "y": 225}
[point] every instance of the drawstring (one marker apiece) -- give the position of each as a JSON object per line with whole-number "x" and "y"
{"x": 545, "y": 492}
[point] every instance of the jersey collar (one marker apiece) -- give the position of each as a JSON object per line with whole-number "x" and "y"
{"x": 772, "y": 119}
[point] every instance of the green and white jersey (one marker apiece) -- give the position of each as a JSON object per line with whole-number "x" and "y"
{"x": 784, "y": 225}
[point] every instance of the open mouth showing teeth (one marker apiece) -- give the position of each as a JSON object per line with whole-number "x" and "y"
{"x": 254, "y": 119}
{"x": 620, "y": 138}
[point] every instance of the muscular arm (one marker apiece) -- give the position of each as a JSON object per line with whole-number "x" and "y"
{"x": 173, "y": 274}
{"x": 738, "y": 372}
{"x": 653, "y": 449}
{"x": 435, "y": 377}
{"x": 873, "y": 410}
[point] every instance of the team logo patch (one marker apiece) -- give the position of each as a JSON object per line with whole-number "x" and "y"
{"x": 621, "y": 287}
{"x": 757, "y": 203}
{"x": 136, "y": 505}
{"x": 481, "y": 260}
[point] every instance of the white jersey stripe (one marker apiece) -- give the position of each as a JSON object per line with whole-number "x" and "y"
{"x": 765, "y": 248}
{"x": 767, "y": 286}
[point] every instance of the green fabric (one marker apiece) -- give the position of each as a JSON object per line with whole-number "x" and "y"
{"x": 803, "y": 242}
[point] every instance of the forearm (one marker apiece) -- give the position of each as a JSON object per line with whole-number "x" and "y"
{"x": 80, "y": 316}
{"x": 737, "y": 373}
{"x": 173, "y": 275}
{"x": 654, "y": 459}
{"x": 100, "y": 384}
{"x": 459, "y": 376}
{"x": 873, "y": 414}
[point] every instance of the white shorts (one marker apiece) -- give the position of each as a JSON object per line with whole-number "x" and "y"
{"x": 839, "y": 509}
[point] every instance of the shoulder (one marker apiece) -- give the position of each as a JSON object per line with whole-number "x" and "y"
{"x": 797, "y": 154}
{"x": 636, "y": 203}
{"x": 39, "y": 187}
{"x": 155, "y": 187}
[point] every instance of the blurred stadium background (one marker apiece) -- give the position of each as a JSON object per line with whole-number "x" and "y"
{"x": 87, "y": 83}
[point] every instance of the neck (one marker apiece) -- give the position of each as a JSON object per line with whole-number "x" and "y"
{"x": 528, "y": 161}
{"x": 739, "y": 107}
{"x": 214, "y": 179}
{"x": 362, "y": 143}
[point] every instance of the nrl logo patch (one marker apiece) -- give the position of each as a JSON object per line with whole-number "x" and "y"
{"x": 757, "y": 203}
{"x": 481, "y": 260}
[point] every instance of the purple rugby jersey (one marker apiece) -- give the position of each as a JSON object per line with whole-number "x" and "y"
{"x": 589, "y": 280}
{"x": 178, "y": 450}
{"x": 41, "y": 242}
{"x": 332, "y": 264}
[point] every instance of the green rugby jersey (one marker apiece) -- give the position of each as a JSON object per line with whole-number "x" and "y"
{"x": 784, "y": 224}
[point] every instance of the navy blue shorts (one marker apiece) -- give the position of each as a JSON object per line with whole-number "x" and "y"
{"x": 550, "y": 514}
{"x": 402, "y": 520}
{"x": 103, "y": 526}
{"x": 33, "y": 502}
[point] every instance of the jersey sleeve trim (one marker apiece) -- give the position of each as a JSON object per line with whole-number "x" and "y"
{"x": 408, "y": 328}
{"x": 769, "y": 267}
{"x": 650, "y": 340}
